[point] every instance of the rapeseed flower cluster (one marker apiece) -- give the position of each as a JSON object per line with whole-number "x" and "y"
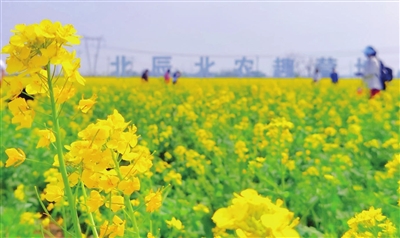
{"x": 252, "y": 215}
{"x": 32, "y": 49}
{"x": 370, "y": 223}
{"x": 105, "y": 165}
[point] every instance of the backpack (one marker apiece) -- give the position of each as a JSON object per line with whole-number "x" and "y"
{"x": 386, "y": 75}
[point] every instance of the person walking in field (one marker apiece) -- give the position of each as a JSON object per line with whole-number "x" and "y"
{"x": 167, "y": 76}
{"x": 317, "y": 76}
{"x": 175, "y": 77}
{"x": 145, "y": 76}
{"x": 334, "y": 76}
{"x": 371, "y": 72}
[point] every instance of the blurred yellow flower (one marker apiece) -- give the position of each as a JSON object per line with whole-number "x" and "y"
{"x": 19, "y": 193}
{"x": 153, "y": 201}
{"x": 117, "y": 228}
{"x": 150, "y": 235}
{"x": 37, "y": 84}
{"x": 15, "y": 157}
{"x": 63, "y": 94}
{"x": 94, "y": 201}
{"x": 175, "y": 223}
{"x": 129, "y": 186}
{"x": 22, "y": 114}
{"x": 53, "y": 193}
{"x": 372, "y": 223}
{"x": 252, "y": 215}
{"x": 46, "y": 137}
{"x": 116, "y": 203}
{"x": 46, "y": 222}
{"x": 86, "y": 104}
{"x": 172, "y": 175}
{"x": 201, "y": 207}
{"x": 135, "y": 202}
{"x": 29, "y": 218}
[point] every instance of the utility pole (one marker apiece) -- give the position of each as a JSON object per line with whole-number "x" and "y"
{"x": 97, "y": 41}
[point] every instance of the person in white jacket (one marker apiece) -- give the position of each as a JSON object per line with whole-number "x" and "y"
{"x": 372, "y": 71}
{"x": 317, "y": 76}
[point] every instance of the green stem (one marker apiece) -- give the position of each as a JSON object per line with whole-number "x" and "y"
{"x": 126, "y": 197}
{"x": 282, "y": 171}
{"x": 151, "y": 225}
{"x": 64, "y": 224}
{"x": 283, "y": 177}
{"x": 132, "y": 212}
{"x": 49, "y": 216}
{"x": 37, "y": 161}
{"x": 92, "y": 223}
{"x": 48, "y": 233}
{"x": 63, "y": 169}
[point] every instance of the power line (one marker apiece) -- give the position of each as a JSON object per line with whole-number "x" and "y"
{"x": 341, "y": 53}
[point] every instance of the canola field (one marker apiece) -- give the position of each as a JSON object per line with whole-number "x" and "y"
{"x": 203, "y": 158}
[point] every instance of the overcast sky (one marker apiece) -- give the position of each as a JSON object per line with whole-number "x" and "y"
{"x": 223, "y": 30}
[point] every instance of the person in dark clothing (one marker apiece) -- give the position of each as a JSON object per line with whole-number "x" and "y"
{"x": 334, "y": 76}
{"x": 145, "y": 76}
{"x": 175, "y": 77}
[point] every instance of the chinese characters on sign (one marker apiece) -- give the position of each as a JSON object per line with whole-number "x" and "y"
{"x": 287, "y": 67}
{"x": 122, "y": 66}
{"x": 204, "y": 66}
{"x": 245, "y": 67}
{"x": 160, "y": 65}
{"x": 283, "y": 67}
{"x": 325, "y": 66}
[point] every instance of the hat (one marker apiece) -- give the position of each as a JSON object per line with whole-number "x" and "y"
{"x": 369, "y": 51}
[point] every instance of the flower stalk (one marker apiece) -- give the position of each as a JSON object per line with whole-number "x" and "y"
{"x": 63, "y": 169}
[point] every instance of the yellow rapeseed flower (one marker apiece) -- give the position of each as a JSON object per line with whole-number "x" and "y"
{"x": 46, "y": 137}
{"x": 252, "y": 215}
{"x": 172, "y": 175}
{"x": 117, "y": 203}
{"x": 63, "y": 94}
{"x": 372, "y": 224}
{"x": 15, "y": 157}
{"x": 129, "y": 186}
{"x": 86, "y": 104}
{"x": 46, "y": 222}
{"x": 117, "y": 228}
{"x": 153, "y": 201}
{"x": 21, "y": 112}
{"x": 37, "y": 85}
{"x": 29, "y": 218}
{"x": 175, "y": 223}
{"x": 393, "y": 166}
{"x": 201, "y": 207}
{"x": 19, "y": 193}
{"x": 53, "y": 193}
{"x": 150, "y": 235}
{"x": 94, "y": 201}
